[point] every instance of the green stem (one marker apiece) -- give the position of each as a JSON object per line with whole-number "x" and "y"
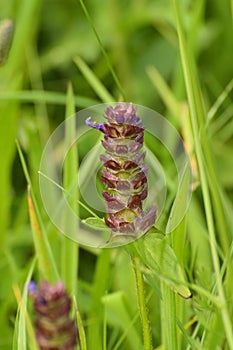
{"x": 142, "y": 303}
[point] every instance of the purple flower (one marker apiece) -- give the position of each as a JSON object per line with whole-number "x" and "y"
{"x": 124, "y": 174}
{"x": 54, "y": 328}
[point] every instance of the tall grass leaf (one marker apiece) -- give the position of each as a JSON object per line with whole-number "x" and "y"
{"x": 46, "y": 260}
{"x": 221, "y": 98}
{"x": 22, "y": 319}
{"x": 170, "y": 100}
{"x": 195, "y": 345}
{"x": 109, "y": 63}
{"x": 93, "y": 80}
{"x": 81, "y": 331}
{"x": 70, "y": 168}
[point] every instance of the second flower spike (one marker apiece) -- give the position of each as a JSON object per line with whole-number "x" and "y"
{"x": 55, "y": 330}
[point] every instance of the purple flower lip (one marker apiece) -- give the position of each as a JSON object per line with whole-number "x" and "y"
{"x": 94, "y": 125}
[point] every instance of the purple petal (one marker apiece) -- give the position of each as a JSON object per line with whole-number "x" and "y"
{"x": 94, "y": 125}
{"x": 145, "y": 222}
{"x": 32, "y": 287}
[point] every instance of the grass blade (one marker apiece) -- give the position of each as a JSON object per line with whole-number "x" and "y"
{"x": 22, "y": 319}
{"x": 92, "y": 79}
{"x": 117, "y": 82}
{"x": 46, "y": 260}
{"x": 81, "y": 331}
{"x": 69, "y": 247}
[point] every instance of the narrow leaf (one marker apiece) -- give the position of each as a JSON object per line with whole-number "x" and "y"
{"x": 46, "y": 260}
{"x": 22, "y": 319}
{"x": 81, "y": 331}
{"x": 109, "y": 63}
{"x": 69, "y": 247}
{"x": 93, "y": 80}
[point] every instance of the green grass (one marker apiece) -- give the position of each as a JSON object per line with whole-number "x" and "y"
{"x": 173, "y": 57}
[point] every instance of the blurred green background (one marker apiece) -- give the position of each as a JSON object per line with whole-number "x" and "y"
{"x": 141, "y": 42}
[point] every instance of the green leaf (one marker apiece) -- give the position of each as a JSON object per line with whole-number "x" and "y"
{"x": 158, "y": 255}
{"x": 95, "y": 223}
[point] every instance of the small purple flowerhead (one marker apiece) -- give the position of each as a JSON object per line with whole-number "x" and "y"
{"x": 54, "y": 328}
{"x": 124, "y": 174}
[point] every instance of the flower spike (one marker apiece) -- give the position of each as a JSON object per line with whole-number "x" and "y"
{"x": 124, "y": 174}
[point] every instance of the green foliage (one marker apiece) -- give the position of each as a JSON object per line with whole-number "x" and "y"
{"x": 174, "y": 57}
{"x": 157, "y": 254}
